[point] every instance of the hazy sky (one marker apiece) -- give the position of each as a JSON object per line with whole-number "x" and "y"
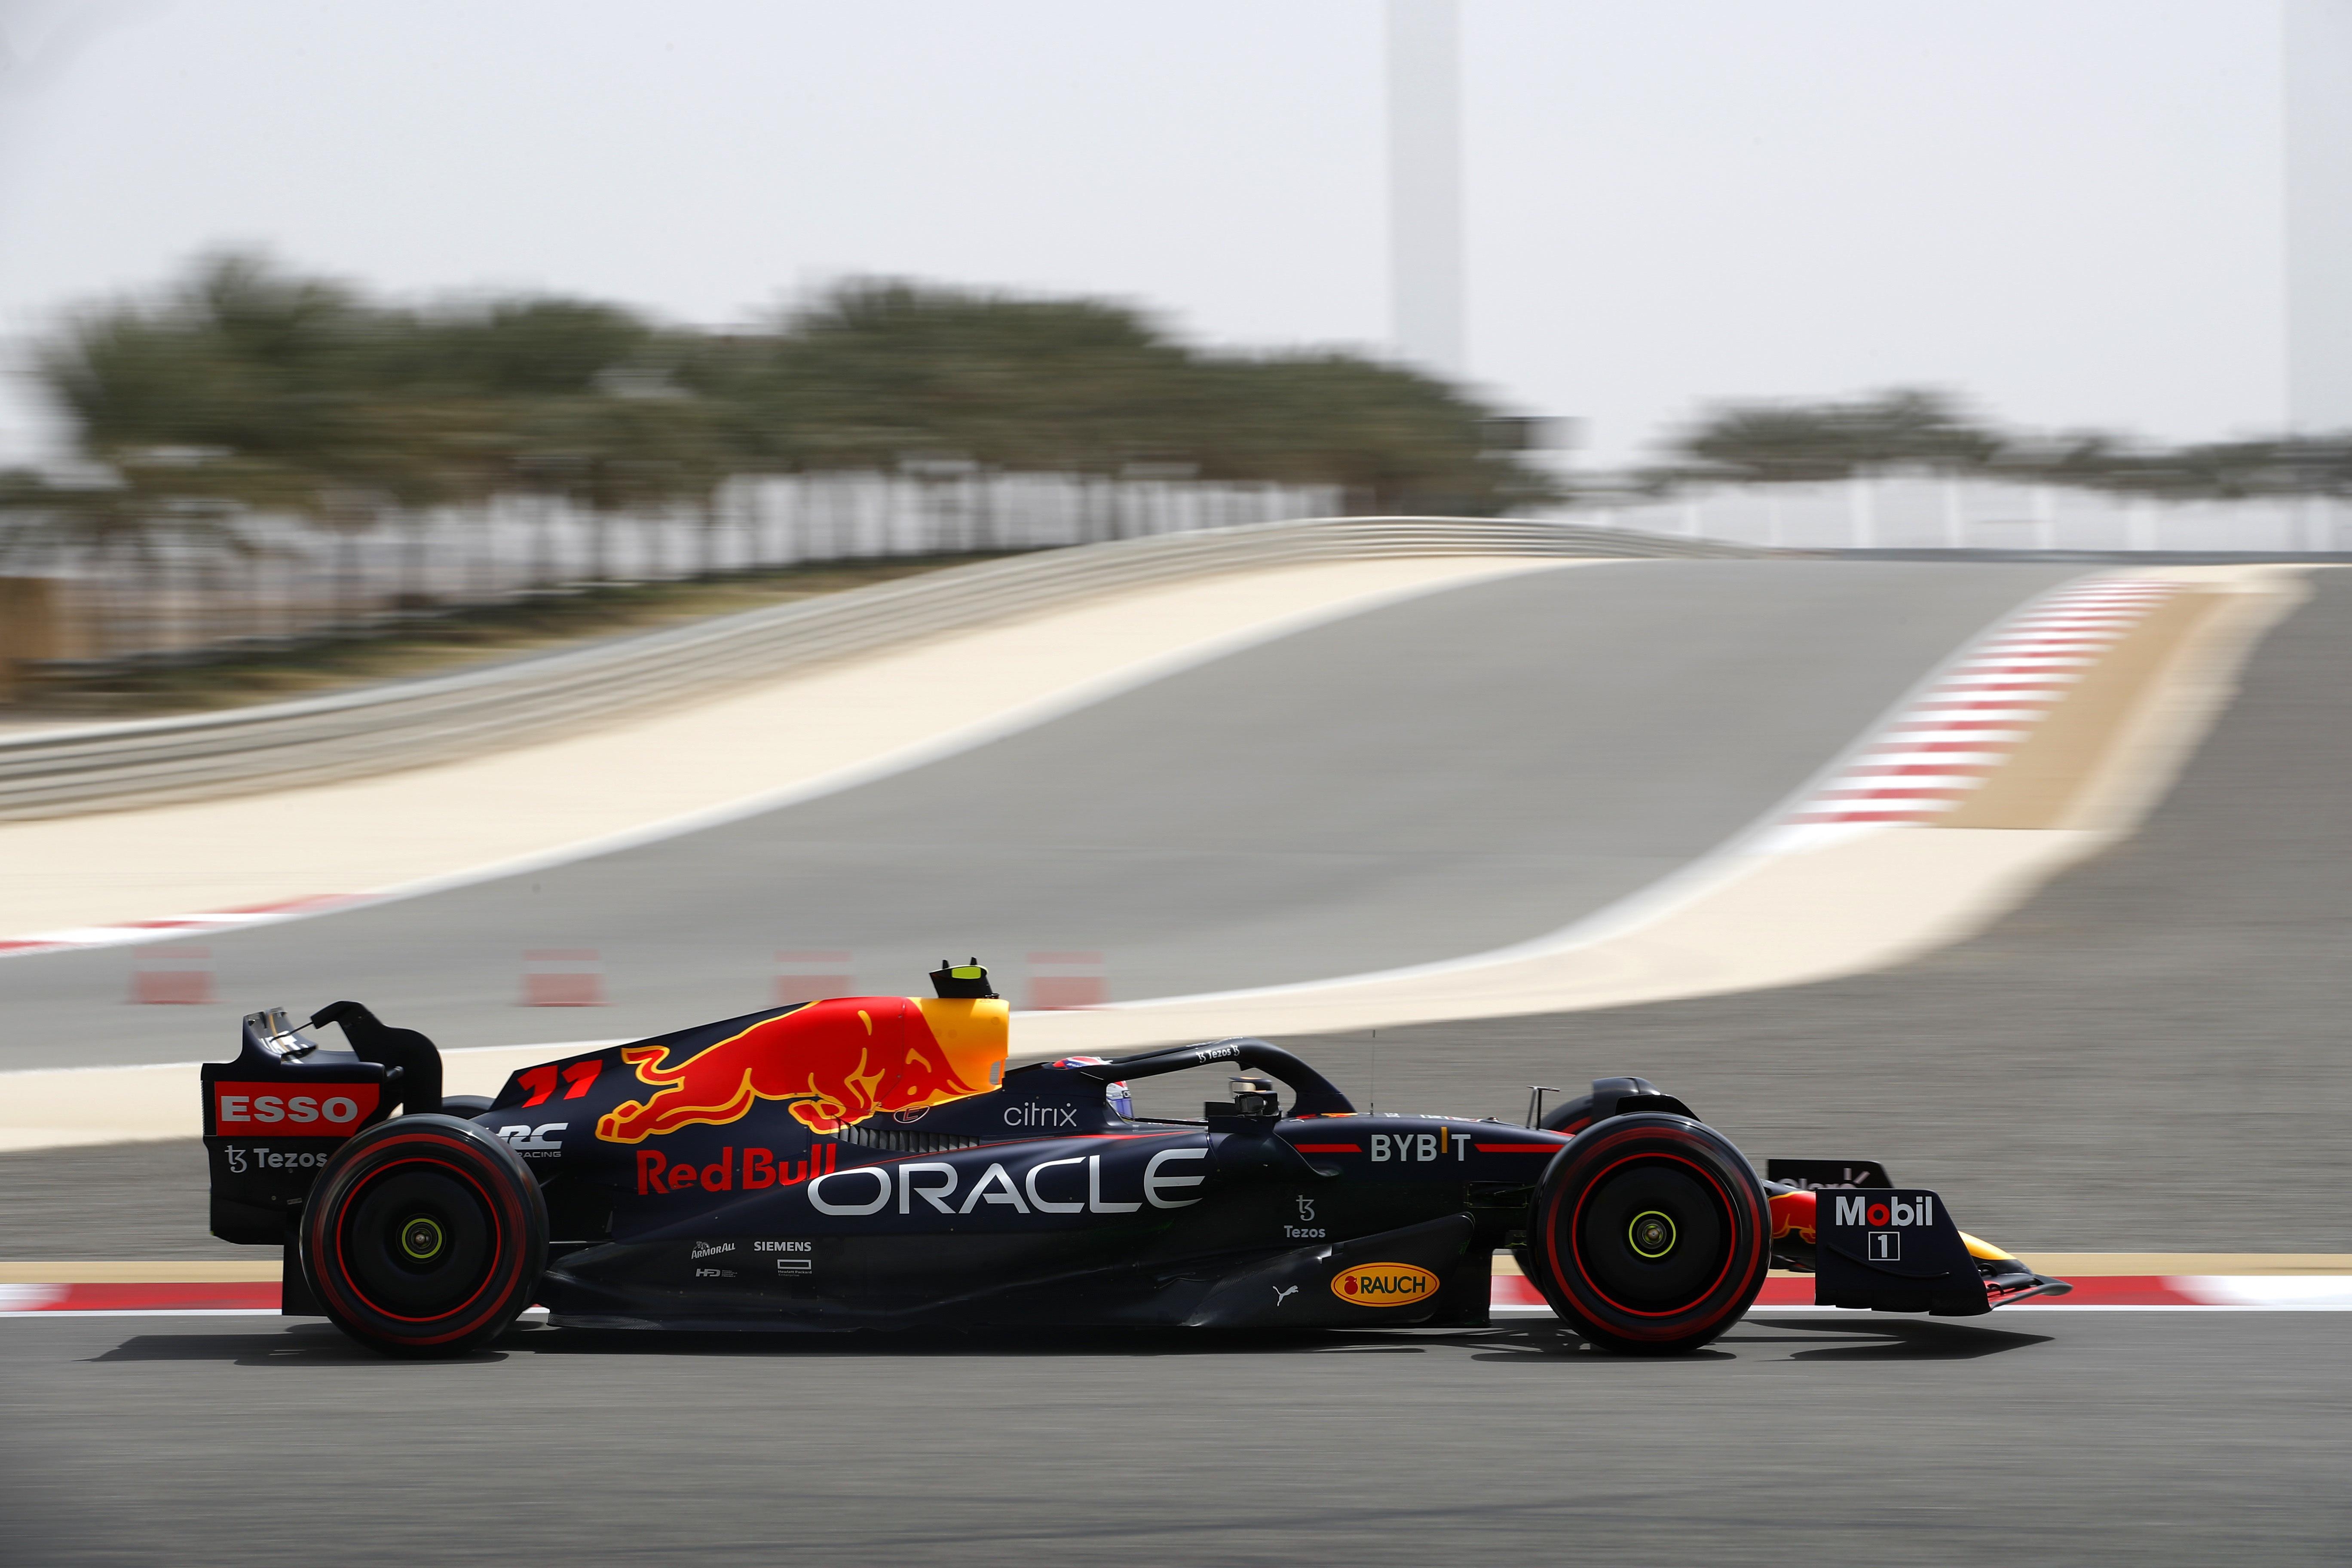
{"x": 2069, "y": 209}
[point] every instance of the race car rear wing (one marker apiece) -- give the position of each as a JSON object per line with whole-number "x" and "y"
{"x": 274, "y": 1116}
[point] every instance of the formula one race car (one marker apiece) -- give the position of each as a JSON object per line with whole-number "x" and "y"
{"x": 871, "y": 1162}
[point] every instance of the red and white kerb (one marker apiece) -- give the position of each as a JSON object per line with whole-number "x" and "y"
{"x": 1954, "y": 735}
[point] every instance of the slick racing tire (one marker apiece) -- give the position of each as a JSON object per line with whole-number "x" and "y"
{"x": 424, "y": 1237}
{"x": 1650, "y": 1233}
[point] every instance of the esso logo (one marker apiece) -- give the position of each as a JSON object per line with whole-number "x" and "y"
{"x": 1384, "y": 1284}
{"x": 287, "y": 1110}
{"x": 1879, "y": 1214}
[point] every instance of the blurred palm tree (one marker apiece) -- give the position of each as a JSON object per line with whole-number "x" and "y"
{"x": 247, "y": 386}
{"x": 1800, "y": 442}
{"x": 1778, "y": 443}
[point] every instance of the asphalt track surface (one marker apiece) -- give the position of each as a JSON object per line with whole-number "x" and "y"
{"x": 1431, "y": 779}
{"x": 2055, "y": 1437}
{"x": 2150, "y": 1055}
{"x": 2147, "y": 1055}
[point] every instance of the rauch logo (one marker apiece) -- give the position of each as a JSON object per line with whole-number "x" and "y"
{"x": 1384, "y": 1283}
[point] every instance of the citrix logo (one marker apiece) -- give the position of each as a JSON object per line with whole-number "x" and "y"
{"x": 1899, "y": 1212}
{"x": 1040, "y": 1116}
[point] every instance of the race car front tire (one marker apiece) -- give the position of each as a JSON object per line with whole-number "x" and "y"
{"x": 424, "y": 1237}
{"x": 1650, "y": 1233}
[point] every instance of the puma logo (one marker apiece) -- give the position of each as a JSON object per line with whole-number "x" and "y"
{"x": 1284, "y": 1292}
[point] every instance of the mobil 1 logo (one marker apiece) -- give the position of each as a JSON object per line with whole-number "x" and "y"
{"x": 1894, "y": 1249}
{"x": 1883, "y": 1219}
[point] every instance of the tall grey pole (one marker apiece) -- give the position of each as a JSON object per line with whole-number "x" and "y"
{"x": 2318, "y": 119}
{"x": 1425, "y": 184}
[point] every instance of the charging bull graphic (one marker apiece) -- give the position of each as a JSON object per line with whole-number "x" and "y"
{"x": 836, "y": 1062}
{"x": 1794, "y": 1214}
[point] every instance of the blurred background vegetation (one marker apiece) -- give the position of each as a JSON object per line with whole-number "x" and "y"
{"x": 248, "y": 386}
{"x": 265, "y": 463}
{"x": 1929, "y": 432}
{"x": 267, "y": 466}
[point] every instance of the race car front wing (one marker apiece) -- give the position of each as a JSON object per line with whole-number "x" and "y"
{"x": 1893, "y": 1249}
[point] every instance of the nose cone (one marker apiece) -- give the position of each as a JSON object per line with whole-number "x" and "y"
{"x": 974, "y": 1032}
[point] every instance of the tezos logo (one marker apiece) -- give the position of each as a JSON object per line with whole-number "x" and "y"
{"x": 1880, "y": 1213}
{"x": 242, "y": 1160}
{"x": 1304, "y": 1230}
{"x": 1384, "y": 1284}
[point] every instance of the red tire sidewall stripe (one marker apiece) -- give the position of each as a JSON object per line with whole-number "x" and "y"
{"x": 1560, "y": 1274}
{"x": 1584, "y": 1196}
{"x": 327, "y": 1228}
{"x": 375, "y": 1174}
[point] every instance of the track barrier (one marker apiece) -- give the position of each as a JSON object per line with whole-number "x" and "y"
{"x": 1063, "y": 980}
{"x": 173, "y": 977}
{"x": 563, "y": 977}
{"x": 812, "y": 974}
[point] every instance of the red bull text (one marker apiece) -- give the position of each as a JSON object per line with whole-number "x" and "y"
{"x": 758, "y": 1168}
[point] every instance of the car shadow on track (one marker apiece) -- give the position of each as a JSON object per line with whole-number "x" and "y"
{"x": 1880, "y": 1339}
{"x": 919, "y": 1343}
{"x": 296, "y": 1344}
{"x": 320, "y": 1344}
{"x": 1866, "y": 1340}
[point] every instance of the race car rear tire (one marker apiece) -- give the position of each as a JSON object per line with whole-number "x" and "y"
{"x": 1650, "y": 1233}
{"x": 424, "y": 1237}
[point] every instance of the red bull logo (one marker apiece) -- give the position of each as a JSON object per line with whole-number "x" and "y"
{"x": 836, "y": 1062}
{"x": 1794, "y": 1213}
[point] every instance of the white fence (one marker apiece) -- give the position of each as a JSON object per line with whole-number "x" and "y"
{"x": 1936, "y": 513}
{"x": 290, "y": 578}
{"x": 293, "y": 579}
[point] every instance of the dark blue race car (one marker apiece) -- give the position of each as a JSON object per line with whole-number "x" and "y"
{"x": 874, "y": 1162}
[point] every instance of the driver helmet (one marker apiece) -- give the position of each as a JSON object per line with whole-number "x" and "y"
{"x": 1120, "y": 1099}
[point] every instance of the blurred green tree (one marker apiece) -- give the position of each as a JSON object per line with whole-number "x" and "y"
{"x": 249, "y": 385}
{"x": 1782, "y": 443}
